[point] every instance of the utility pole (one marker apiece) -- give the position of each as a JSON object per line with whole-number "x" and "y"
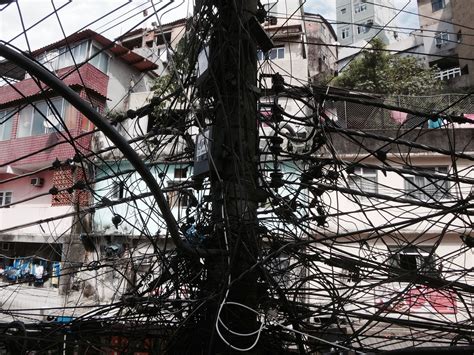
{"x": 232, "y": 84}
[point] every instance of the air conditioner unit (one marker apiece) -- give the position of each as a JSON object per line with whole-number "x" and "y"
{"x": 38, "y": 182}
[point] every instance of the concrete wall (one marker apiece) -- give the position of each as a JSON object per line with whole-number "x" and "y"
{"x": 321, "y": 58}
{"x": 428, "y": 17}
{"x": 462, "y": 18}
{"x": 123, "y": 80}
{"x": 380, "y": 15}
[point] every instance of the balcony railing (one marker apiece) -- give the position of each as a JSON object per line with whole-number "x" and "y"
{"x": 366, "y": 117}
{"x": 448, "y": 74}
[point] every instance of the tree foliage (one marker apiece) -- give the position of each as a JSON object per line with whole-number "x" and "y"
{"x": 379, "y": 72}
{"x": 171, "y": 80}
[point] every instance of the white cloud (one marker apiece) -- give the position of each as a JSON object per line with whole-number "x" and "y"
{"x": 77, "y": 14}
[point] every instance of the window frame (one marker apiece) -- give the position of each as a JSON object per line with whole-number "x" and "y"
{"x": 273, "y": 54}
{"x": 98, "y": 56}
{"x": 360, "y": 7}
{"x": 38, "y": 118}
{"x": 424, "y": 257}
{"x": 441, "y": 38}
{"x": 6, "y": 124}
{"x": 365, "y": 27}
{"x": 345, "y": 32}
{"x": 3, "y": 197}
{"x": 413, "y": 189}
{"x": 437, "y": 5}
{"x": 363, "y": 179}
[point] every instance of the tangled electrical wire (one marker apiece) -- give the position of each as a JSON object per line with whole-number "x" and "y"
{"x": 362, "y": 235}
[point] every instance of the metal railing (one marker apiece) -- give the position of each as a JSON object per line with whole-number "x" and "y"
{"x": 366, "y": 117}
{"x": 448, "y": 74}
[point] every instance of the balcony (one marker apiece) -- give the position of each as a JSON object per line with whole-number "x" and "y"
{"x": 448, "y": 74}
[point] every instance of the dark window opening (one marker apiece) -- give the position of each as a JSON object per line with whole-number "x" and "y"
{"x": 437, "y": 5}
{"x": 118, "y": 190}
{"x": 164, "y": 38}
{"x": 133, "y": 43}
{"x": 414, "y": 261}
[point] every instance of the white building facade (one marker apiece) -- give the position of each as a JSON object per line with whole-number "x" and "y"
{"x": 359, "y": 20}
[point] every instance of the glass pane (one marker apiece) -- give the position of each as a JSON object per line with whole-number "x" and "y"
{"x": 281, "y": 53}
{"x": 80, "y": 52}
{"x": 24, "y": 122}
{"x": 95, "y": 58}
{"x": 38, "y": 126}
{"x": 272, "y": 54}
{"x": 8, "y": 198}
{"x": 6, "y": 122}
{"x": 104, "y": 63}
{"x": 65, "y": 58}
{"x": 55, "y": 113}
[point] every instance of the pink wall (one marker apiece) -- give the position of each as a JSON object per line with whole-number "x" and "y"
{"x": 22, "y": 188}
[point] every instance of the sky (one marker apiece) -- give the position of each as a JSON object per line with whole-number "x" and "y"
{"x": 327, "y": 8}
{"x": 78, "y": 13}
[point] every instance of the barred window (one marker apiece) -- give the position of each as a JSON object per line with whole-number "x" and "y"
{"x": 364, "y": 179}
{"x": 428, "y": 188}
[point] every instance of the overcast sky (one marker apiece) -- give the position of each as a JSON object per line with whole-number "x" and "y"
{"x": 80, "y": 13}
{"x": 327, "y": 8}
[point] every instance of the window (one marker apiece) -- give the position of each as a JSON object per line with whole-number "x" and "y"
{"x": 364, "y": 179}
{"x": 99, "y": 59}
{"x": 5, "y": 198}
{"x": 6, "y": 123}
{"x": 275, "y": 53}
{"x": 414, "y": 260}
{"x": 364, "y": 28}
{"x": 180, "y": 173}
{"x": 441, "y": 38}
{"x": 42, "y": 118}
{"x": 360, "y": 7}
{"x": 428, "y": 188}
{"x": 63, "y": 57}
{"x": 345, "y": 33}
{"x": 343, "y": 11}
{"x": 118, "y": 190}
{"x": 177, "y": 197}
{"x": 437, "y": 5}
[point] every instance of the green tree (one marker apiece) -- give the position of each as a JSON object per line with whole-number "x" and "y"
{"x": 377, "y": 71}
{"x": 177, "y": 71}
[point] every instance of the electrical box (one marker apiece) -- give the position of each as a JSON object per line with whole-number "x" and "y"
{"x": 201, "y": 156}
